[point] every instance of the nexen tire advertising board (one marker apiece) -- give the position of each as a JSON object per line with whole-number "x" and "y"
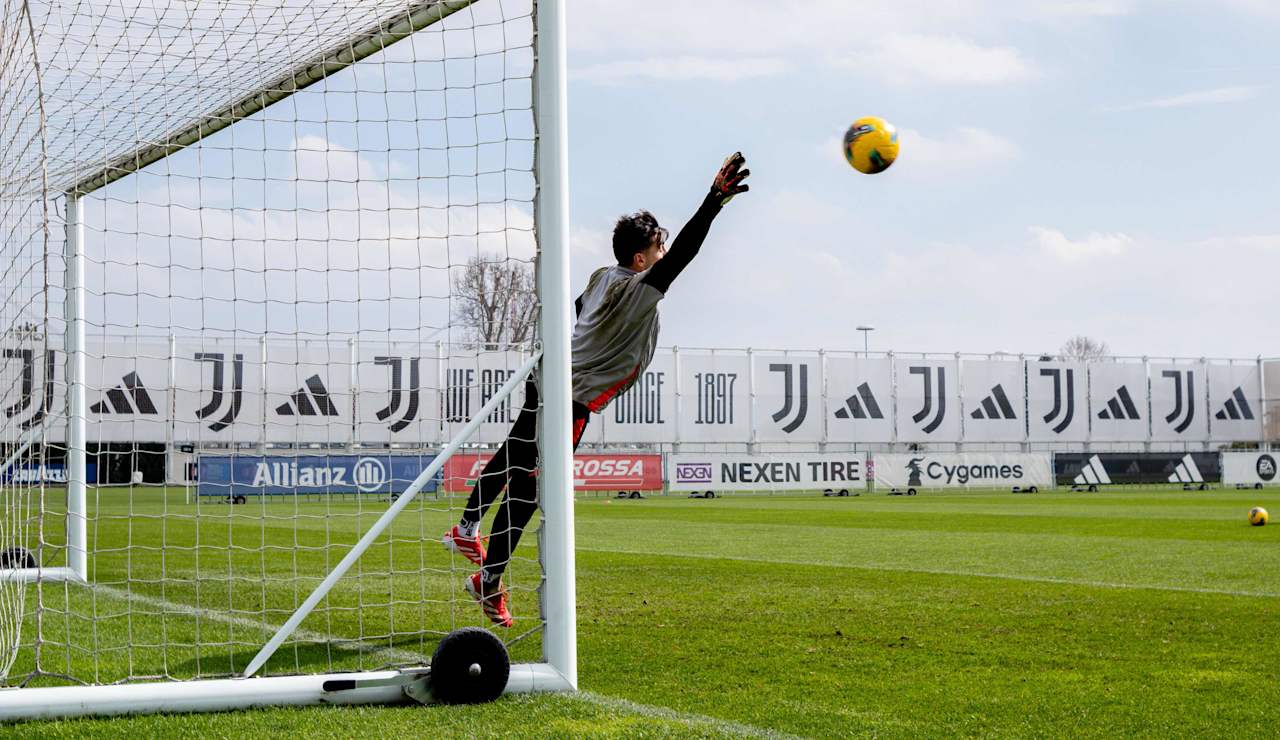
{"x": 781, "y": 472}
{"x": 590, "y": 472}
{"x": 963, "y": 470}
{"x": 276, "y": 475}
{"x": 1251, "y": 468}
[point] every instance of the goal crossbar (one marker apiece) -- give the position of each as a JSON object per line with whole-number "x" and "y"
{"x": 375, "y": 39}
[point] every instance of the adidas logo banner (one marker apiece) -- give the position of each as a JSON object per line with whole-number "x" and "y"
{"x": 128, "y": 390}
{"x": 1092, "y": 473}
{"x": 715, "y": 398}
{"x": 1129, "y": 468}
{"x": 1057, "y": 402}
{"x": 1235, "y": 406}
{"x": 788, "y": 398}
{"x": 309, "y": 392}
{"x": 995, "y": 404}
{"x": 1118, "y": 403}
{"x": 929, "y": 407}
{"x": 1186, "y": 471}
{"x": 1179, "y": 397}
{"x": 860, "y": 392}
{"x": 1251, "y": 469}
{"x": 962, "y": 470}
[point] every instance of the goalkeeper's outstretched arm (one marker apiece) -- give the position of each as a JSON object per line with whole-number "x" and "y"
{"x": 729, "y": 182}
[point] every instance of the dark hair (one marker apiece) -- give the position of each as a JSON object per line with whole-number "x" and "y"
{"x": 635, "y": 233}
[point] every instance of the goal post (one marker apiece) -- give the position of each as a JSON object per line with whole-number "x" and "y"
{"x": 240, "y": 231}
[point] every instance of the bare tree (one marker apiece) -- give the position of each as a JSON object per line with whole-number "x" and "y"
{"x": 1083, "y": 348}
{"x": 495, "y": 299}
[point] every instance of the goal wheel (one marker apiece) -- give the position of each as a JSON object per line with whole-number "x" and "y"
{"x": 16, "y": 557}
{"x": 911, "y": 491}
{"x": 469, "y": 666}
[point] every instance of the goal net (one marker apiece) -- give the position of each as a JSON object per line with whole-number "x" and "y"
{"x": 265, "y": 265}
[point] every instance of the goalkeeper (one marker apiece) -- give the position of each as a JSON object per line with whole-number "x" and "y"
{"x": 613, "y": 342}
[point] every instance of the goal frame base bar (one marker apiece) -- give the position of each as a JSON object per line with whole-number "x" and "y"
{"x": 217, "y": 695}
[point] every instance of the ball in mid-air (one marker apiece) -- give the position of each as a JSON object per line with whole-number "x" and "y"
{"x": 871, "y": 145}
{"x": 1257, "y": 516}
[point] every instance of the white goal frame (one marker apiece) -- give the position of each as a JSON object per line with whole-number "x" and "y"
{"x": 558, "y": 670}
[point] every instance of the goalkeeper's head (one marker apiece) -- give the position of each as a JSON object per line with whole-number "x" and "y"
{"x": 638, "y": 241}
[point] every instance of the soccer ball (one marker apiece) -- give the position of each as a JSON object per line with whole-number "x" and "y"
{"x": 871, "y": 145}
{"x": 1257, "y": 516}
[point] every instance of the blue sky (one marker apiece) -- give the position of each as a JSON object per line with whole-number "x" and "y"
{"x": 1102, "y": 167}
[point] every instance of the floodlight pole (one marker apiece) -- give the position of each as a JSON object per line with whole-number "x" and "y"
{"x": 865, "y": 345}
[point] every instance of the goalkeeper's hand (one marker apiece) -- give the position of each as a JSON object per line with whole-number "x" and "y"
{"x": 731, "y": 179}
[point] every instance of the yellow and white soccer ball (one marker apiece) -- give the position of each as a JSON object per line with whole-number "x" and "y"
{"x": 871, "y": 145}
{"x": 1257, "y": 516}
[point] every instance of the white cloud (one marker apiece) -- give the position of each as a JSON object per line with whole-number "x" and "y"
{"x": 965, "y": 148}
{"x": 1093, "y": 245}
{"x": 1231, "y": 94}
{"x": 940, "y": 59}
{"x": 681, "y": 68}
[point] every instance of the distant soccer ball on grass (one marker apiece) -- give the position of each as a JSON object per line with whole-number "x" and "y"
{"x": 871, "y": 145}
{"x": 1257, "y": 516}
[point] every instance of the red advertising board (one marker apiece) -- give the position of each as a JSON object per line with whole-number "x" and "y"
{"x": 590, "y": 472}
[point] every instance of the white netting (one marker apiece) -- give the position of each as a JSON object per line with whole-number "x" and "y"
{"x": 280, "y": 252}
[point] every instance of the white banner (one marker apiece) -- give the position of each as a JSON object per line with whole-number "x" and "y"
{"x": 928, "y": 408}
{"x": 1251, "y": 468}
{"x": 995, "y": 401}
{"x": 646, "y": 413}
{"x": 469, "y": 382}
{"x": 962, "y": 470}
{"x": 1235, "y": 402}
{"x": 1178, "y": 398}
{"x": 397, "y": 397}
{"x": 127, "y": 389}
{"x": 788, "y": 398}
{"x": 715, "y": 400}
{"x": 859, "y": 399}
{"x": 308, "y": 392}
{"x": 217, "y": 390}
{"x": 1118, "y": 405}
{"x": 32, "y": 390}
{"x": 1057, "y": 402}
{"x": 766, "y": 472}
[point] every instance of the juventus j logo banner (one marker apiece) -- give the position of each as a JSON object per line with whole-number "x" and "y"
{"x": 1057, "y": 401}
{"x": 26, "y": 394}
{"x": 1178, "y": 397}
{"x": 934, "y": 379}
{"x": 791, "y": 395}
{"x": 399, "y": 395}
{"x": 219, "y": 391}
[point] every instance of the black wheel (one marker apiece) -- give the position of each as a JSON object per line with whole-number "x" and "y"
{"x": 711, "y": 494}
{"x": 844, "y": 491}
{"x": 239, "y": 500}
{"x": 911, "y": 491}
{"x": 1093, "y": 488}
{"x": 1257, "y": 486}
{"x": 1204, "y": 486}
{"x": 634, "y": 495}
{"x": 17, "y": 557}
{"x": 1032, "y": 489}
{"x": 469, "y": 666}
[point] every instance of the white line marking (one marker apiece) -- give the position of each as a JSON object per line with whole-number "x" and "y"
{"x": 399, "y": 656}
{"x": 688, "y": 719}
{"x": 941, "y": 572}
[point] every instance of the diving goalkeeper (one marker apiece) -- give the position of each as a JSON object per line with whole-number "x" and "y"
{"x": 613, "y": 341}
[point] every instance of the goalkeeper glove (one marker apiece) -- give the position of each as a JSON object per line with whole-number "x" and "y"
{"x": 730, "y": 180}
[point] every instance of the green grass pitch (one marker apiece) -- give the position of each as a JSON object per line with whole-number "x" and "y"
{"x": 1132, "y": 612}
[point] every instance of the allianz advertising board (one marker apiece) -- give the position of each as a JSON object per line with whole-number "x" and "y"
{"x": 279, "y": 475}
